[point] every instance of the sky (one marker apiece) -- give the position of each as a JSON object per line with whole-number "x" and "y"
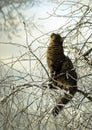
{"x": 42, "y": 22}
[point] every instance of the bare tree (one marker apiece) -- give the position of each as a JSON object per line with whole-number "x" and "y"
{"x": 26, "y": 100}
{"x": 11, "y": 15}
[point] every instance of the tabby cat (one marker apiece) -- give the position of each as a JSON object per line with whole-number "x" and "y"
{"x": 62, "y": 72}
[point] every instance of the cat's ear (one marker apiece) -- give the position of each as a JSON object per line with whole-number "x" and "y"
{"x": 62, "y": 39}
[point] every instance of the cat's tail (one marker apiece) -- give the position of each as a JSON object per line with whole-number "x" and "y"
{"x": 64, "y": 100}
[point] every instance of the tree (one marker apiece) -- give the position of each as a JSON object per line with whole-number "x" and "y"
{"x": 26, "y": 100}
{"x": 11, "y": 14}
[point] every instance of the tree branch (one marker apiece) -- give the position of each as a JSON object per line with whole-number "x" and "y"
{"x": 86, "y": 95}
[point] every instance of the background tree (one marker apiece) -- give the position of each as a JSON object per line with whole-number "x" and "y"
{"x": 26, "y": 101}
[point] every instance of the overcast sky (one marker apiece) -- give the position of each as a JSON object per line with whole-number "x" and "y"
{"x": 42, "y": 22}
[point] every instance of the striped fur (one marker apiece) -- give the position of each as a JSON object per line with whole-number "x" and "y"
{"x": 62, "y": 72}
